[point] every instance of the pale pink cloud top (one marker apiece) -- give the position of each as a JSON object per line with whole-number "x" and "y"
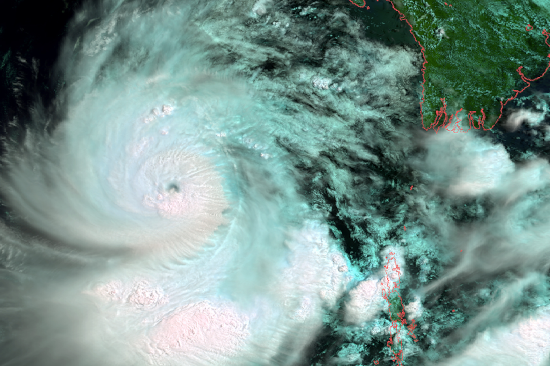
{"x": 203, "y": 332}
{"x": 180, "y": 319}
{"x": 366, "y": 301}
{"x": 140, "y": 293}
{"x": 199, "y": 333}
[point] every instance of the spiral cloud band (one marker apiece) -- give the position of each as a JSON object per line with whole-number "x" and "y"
{"x": 164, "y": 169}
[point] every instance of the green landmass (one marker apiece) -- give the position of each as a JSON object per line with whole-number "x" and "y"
{"x": 474, "y": 48}
{"x": 359, "y": 3}
{"x": 395, "y": 306}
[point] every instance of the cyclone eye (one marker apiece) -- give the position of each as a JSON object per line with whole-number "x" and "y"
{"x": 173, "y": 187}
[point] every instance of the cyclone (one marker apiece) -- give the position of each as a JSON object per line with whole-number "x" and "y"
{"x": 162, "y": 181}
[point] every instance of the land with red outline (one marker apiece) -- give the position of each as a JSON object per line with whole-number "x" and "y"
{"x": 439, "y": 117}
{"x": 396, "y": 309}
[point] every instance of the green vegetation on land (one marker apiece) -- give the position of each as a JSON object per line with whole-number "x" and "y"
{"x": 395, "y": 306}
{"x": 474, "y": 48}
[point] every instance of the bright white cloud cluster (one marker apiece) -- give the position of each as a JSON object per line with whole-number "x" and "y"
{"x": 198, "y": 334}
{"x": 468, "y": 165}
{"x": 515, "y": 119}
{"x": 523, "y": 343}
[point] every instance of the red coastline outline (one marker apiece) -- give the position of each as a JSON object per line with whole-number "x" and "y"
{"x": 359, "y": 6}
{"x": 442, "y": 112}
{"x": 397, "y": 325}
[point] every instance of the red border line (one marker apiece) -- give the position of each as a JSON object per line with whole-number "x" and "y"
{"x": 396, "y": 324}
{"x": 359, "y": 6}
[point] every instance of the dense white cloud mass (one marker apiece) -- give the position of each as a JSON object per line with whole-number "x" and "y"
{"x": 466, "y": 165}
{"x": 515, "y": 120}
{"x": 523, "y": 343}
{"x": 168, "y": 169}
